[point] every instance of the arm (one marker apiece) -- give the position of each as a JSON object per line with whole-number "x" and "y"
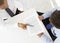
{"x": 47, "y": 14}
{"x": 44, "y": 38}
{"x": 57, "y": 40}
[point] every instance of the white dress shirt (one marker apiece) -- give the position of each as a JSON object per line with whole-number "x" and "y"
{"x": 48, "y": 14}
{"x": 13, "y": 5}
{"x": 57, "y": 31}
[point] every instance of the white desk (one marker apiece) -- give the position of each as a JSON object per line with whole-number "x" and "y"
{"x": 10, "y": 33}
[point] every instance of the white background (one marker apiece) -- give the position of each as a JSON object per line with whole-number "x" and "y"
{"x": 39, "y": 5}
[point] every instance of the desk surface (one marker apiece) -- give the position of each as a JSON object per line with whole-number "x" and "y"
{"x": 11, "y": 34}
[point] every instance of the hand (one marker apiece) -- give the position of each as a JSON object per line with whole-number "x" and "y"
{"x": 4, "y": 5}
{"x": 23, "y": 26}
{"x": 40, "y": 34}
{"x": 41, "y": 17}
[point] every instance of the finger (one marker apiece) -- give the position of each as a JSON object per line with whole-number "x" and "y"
{"x": 40, "y": 34}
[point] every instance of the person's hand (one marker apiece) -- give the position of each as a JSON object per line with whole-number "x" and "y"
{"x": 23, "y": 26}
{"x": 4, "y": 5}
{"x": 41, "y": 17}
{"x": 40, "y": 34}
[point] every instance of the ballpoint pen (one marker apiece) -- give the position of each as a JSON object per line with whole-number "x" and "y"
{"x": 30, "y": 25}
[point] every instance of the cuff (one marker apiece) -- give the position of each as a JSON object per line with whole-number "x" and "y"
{"x": 45, "y": 39}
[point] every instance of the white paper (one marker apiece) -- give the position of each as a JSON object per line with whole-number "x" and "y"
{"x": 37, "y": 25}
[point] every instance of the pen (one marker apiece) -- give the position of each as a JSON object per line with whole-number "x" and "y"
{"x": 30, "y": 25}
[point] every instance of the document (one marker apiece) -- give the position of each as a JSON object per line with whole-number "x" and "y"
{"x": 35, "y": 26}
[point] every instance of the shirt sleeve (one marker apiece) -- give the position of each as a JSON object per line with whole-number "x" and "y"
{"x": 45, "y": 39}
{"x": 48, "y": 14}
{"x": 57, "y": 40}
{"x": 18, "y": 5}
